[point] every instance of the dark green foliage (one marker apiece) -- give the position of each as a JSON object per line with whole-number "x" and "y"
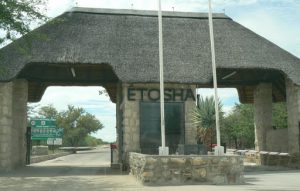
{"x": 238, "y": 126}
{"x": 204, "y": 116}
{"x": 205, "y": 119}
{"x": 280, "y": 115}
{"x": 48, "y": 112}
{"x": 91, "y": 141}
{"x": 17, "y": 17}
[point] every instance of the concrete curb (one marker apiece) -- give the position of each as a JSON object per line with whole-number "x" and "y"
{"x": 42, "y": 158}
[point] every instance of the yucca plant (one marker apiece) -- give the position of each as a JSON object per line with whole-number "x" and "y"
{"x": 205, "y": 119}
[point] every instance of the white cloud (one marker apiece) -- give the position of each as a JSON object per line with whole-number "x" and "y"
{"x": 223, "y": 93}
{"x": 236, "y": 2}
{"x": 60, "y": 97}
{"x": 138, "y": 4}
{"x": 109, "y": 132}
{"x": 280, "y": 32}
{"x": 56, "y": 7}
{"x": 227, "y": 109}
{"x": 227, "y": 96}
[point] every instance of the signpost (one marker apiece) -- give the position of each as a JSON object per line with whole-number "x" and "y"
{"x": 54, "y": 141}
{"x": 46, "y": 129}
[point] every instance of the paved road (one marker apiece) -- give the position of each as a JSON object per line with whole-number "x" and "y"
{"x": 90, "y": 170}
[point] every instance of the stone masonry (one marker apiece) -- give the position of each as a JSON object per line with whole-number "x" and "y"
{"x": 131, "y": 123}
{"x": 262, "y": 114}
{"x": 6, "y": 90}
{"x": 293, "y": 109}
{"x": 277, "y": 140}
{"x": 13, "y": 122}
{"x": 187, "y": 169}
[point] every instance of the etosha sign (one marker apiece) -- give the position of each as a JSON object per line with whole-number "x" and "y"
{"x": 142, "y": 94}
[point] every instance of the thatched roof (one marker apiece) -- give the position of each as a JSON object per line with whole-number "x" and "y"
{"x": 122, "y": 45}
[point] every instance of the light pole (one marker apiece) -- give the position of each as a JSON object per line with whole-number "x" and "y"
{"x": 219, "y": 150}
{"x": 163, "y": 150}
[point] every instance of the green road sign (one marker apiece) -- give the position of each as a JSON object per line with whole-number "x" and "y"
{"x": 43, "y": 123}
{"x": 42, "y": 133}
{"x": 45, "y": 133}
{"x": 42, "y": 129}
{"x": 59, "y": 132}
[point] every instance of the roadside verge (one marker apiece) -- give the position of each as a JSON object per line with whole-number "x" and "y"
{"x": 36, "y": 159}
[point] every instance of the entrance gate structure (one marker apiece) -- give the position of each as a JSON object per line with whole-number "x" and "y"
{"x": 118, "y": 49}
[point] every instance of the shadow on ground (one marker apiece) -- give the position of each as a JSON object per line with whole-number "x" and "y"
{"x": 52, "y": 171}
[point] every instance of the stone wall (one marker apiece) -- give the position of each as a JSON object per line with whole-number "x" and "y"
{"x": 130, "y": 119}
{"x": 13, "y": 122}
{"x": 275, "y": 159}
{"x": 189, "y": 169}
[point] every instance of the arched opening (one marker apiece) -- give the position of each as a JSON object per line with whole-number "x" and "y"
{"x": 50, "y": 83}
{"x": 247, "y": 104}
{"x": 83, "y": 105}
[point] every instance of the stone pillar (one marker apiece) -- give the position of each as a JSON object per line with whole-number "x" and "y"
{"x": 119, "y": 119}
{"x": 293, "y": 110}
{"x": 6, "y": 123}
{"x": 130, "y": 126}
{"x": 131, "y": 123}
{"x": 20, "y": 98}
{"x": 13, "y": 122}
{"x": 262, "y": 114}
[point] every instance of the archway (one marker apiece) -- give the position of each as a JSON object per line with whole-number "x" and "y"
{"x": 118, "y": 50}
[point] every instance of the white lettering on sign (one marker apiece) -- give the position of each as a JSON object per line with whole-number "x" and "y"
{"x": 54, "y": 141}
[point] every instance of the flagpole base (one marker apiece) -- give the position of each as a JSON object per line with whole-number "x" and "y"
{"x": 219, "y": 150}
{"x": 163, "y": 150}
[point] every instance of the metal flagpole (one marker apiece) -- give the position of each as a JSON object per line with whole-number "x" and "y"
{"x": 218, "y": 150}
{"x": 163, "y": 150}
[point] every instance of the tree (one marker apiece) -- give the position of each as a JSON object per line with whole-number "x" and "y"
{"x": 238, "y": 127}
{"x": 239, "y": 124}
{"x": 280, "y": 115}
{"x": 17, "y": 17}
{"x": 32, "y": 110}
{"x": 91, "y": 141}
{"x": 77, "y": 123}
{"x": 48, "y": 112}
{"x": 205, "y": 119}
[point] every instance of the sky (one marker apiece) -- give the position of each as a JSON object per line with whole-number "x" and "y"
{"x": 275, "y": 20}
